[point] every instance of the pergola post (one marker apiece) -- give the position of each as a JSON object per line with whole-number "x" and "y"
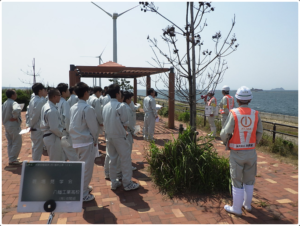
{"x": 134, "y": 91}
{"x": 73, "y": 78}
{"x": 148, "y": 85}
{"x": 171, "y": 98}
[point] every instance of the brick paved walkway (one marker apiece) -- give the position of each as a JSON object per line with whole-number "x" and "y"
{"x": 276, "y": 185}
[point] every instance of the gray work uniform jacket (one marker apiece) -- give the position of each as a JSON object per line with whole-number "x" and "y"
{"x": 11, "y": 109}
{"x": 223, "y": 103}
{"x": 101, "y": 99}
{"x": 105, "y": 100}
{"x": 50, "y": 120}
{"x": 131, "y": 121}
{"x": 95, "y": 103}
{"x": 133, "y": 108}
{"x": 34, "y": 112}
{"x": 150, "y": 105}
{"x": 72, "y": 100}
{"x": 228, "y": 128}
{"x": 63, "y": 108}
{"x": 83, "y": 123}
{"x": 115, "y": 118}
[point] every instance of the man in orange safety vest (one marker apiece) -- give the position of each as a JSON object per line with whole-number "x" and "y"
{"x": 241, "y": 132}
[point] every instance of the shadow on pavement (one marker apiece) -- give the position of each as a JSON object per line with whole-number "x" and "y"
{"x": 98, "y": 215}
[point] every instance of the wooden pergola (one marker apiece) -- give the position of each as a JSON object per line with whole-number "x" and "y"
{"x": 115, "y": 70}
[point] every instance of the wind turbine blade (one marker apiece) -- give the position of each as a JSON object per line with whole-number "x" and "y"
{"x": 89, "y": 56}
{"x": 102, "y": 52}
{"x": 127, "y": 10}
{"x": 102, "y": 9}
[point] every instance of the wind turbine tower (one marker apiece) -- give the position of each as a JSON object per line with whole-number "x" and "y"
{"x": 114, "y": 17}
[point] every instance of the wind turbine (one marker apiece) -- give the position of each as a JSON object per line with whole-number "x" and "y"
{"x": 114, "y": 17}
{"x": 100, "y": 61}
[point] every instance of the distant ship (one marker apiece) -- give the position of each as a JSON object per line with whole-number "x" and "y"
{"x": 255, "y": 90}
{"x": 278, "y": 89}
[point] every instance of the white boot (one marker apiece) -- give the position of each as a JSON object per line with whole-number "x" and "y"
{"x": 238, "y": 197}
{"x": 248, "y": 194}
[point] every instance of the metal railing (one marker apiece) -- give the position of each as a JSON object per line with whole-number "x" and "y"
{"x": 274, "y": 132}
{"x": 274, "y": 129}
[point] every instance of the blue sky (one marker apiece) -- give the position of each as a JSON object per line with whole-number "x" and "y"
{"x": 57, "y": 34}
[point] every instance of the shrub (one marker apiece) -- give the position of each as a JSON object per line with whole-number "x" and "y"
{"x": 164, "y": 111}
{"x": 182, "y": 166}
{"x": 184, "y": 116}
{"x": 23, "y": 97}
{"x": 280, "y": 146}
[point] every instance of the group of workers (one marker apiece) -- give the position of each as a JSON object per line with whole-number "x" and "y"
{"x": 241, "y": 131}
{"x": 66, "y": 122}
{"x": 69, "y": 130}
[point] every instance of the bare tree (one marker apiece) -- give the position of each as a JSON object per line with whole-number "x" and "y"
{"x": 30, "y": 73}
{"x": 197, "y": 70}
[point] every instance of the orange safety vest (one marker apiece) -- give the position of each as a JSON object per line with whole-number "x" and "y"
{"x": 230, "y": 104}
{"x": 245, "y": 124}
{"x": 209, "y": 102}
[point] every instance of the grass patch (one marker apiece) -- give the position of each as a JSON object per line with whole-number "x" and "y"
{"x": 183, "y": 167}
{"x": 280, "y": 149}
{"x": 262, "y": 204}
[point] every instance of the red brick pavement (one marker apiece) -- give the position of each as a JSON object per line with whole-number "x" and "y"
{"x": 276, "y": 185}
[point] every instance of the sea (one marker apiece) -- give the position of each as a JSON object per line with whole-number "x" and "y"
{"x": 276, "y": 102}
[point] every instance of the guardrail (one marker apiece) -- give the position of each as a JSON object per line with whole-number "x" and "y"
{"x": 279, "y": 124}
{"x": 273, "y": 123}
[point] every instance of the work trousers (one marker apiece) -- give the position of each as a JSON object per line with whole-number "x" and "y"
{"x": 130, "y": 141}
{"x": 107, "y": 158}
{"x": 14, "y": 142}
{"x": 223, "y": 119}
{"x": 37, "y": 144}
{"x": 149, "y": 125}
{"x": 87, "y": 154}
{"x": 243, "y": 167}
{"x": 69, "y": 152}
{"x": 119, "y": 147}
{"x": 106, "y": 164}
{"x": 211, "y": 121}
{"x": 54, "y": 148}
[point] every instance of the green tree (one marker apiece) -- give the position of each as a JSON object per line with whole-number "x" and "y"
{"x": 123, "y": 83}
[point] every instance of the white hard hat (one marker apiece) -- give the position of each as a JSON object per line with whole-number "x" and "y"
{"x": 226, "y": 88}
{"x": 211, "y": 92}
{"x": 243, "y": 93}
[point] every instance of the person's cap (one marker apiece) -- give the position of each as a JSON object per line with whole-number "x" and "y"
{"x": 226, "y": 88}
{"x": 211, "y": 92}
{"x": 243, "y": 93}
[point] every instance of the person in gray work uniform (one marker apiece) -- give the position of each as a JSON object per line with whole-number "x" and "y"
{"x": 63, "y": 108}
{"x": 150, "y": 115}
{"x": 51, "y": 127}
{"x": 107, "y": 158}
{"x": 84, "y": 135}
{"x": 101, "y": 96}
{"x": 211, "y": 119}
{"x": 11, "y": 119}
{"x": 130, "y": 129}
{"x": 241, "y": 132}
{"x": 116, "y": 122}
{"x": 106, "y": 99}
{"x": 34, "y": 115}
{"x": 94, "y": 101}
{"x": 73, "y": 99}
{"x": 226, "y": 104}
